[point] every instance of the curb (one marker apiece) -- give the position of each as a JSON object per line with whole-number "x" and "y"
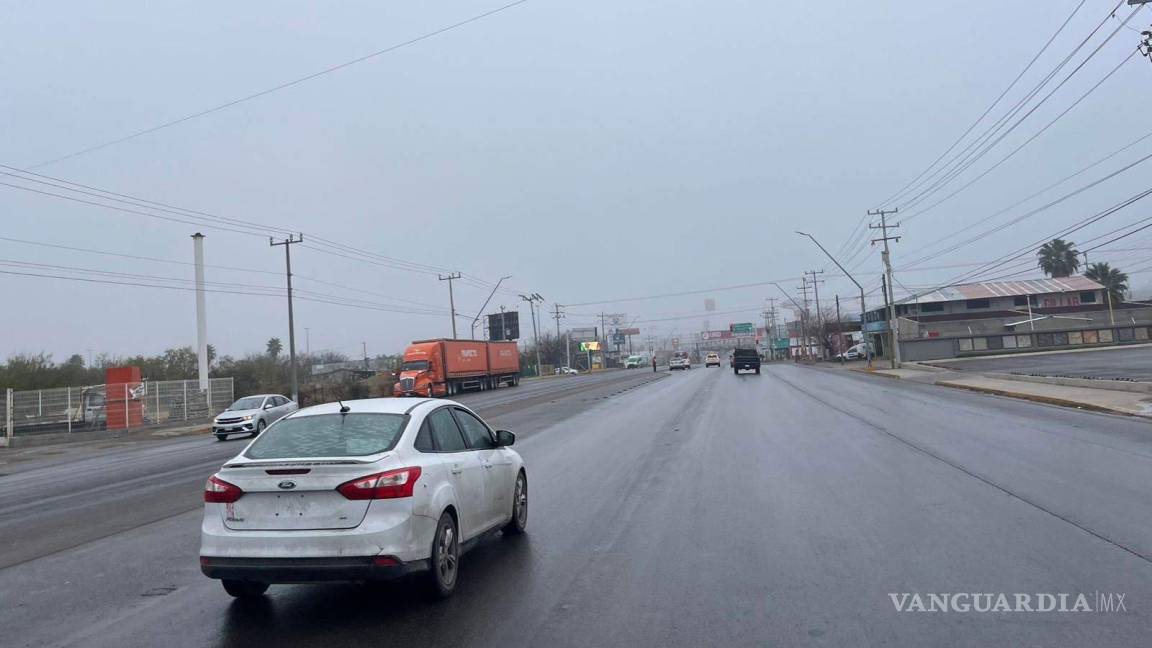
{"x": 876, "y": 373}
{"x": 1132, "y": 387}
{"x": 1047, "y": 400}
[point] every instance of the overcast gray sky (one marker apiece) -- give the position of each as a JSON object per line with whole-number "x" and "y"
{"x": 593, "y": 150}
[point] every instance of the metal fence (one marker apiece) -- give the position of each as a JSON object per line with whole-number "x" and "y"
{"x": 113, "y": 406}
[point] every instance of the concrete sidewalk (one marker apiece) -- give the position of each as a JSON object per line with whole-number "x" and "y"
{"x": 1097, "y": 399}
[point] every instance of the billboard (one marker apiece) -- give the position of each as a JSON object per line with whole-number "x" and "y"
{"x": 583, "y": 334}
{"x": 628, "y": 331}
{"x": 504, "y": 327}
{"x": 729, "y": 335}
{"x": 589, "y": 346}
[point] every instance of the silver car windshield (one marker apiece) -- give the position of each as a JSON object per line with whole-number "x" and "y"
{"x": 329, "y": 435}
{"x": 251, "y": 402}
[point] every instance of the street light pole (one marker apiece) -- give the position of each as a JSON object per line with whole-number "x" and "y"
{"x": 481, "y": 311}
{"x": 863, "y": 323}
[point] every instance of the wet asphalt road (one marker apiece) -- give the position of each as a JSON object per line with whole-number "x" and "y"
{"x": 1131, "y": 363}
{"x": 699, "y": 509}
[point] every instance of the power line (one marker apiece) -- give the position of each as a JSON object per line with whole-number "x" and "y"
{"x": 684, "y": 293}
{"x": 1027, "y": 214}
{"x": 1026, "y": 142}
{"x": 1019, "y": 252}
{"x": 1041, "y": 192}
{"x": 972, "y": 152}
{"x": 218, "y": 267}
{"x": 159, "y": 281}
{"x": 991, "y": 106}
{"x": 282, "y": 86}
{"x": 198, "y": 218}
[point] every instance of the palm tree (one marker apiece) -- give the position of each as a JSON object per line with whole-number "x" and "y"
{"x": 1058, "y": 258}
{"x": 274, "y": 347}
{"x": 1112, "y": 279}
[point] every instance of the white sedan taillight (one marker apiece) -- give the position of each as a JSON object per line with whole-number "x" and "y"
{"x": 386, "y": 485}
{"x": 218, "y": 491}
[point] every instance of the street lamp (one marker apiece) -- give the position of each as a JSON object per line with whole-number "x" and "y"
{"x": 481, "y": 311}
{"x": 863, "y": 322}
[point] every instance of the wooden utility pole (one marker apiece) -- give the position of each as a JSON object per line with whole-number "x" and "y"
{"x": 886, "y": 254}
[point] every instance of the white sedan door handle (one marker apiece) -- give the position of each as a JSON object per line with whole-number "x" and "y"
{"x": 488, "y": 465}
{"x": 456, "y": 469}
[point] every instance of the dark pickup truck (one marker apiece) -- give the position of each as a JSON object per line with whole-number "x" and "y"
{"x": 745, "y": 359}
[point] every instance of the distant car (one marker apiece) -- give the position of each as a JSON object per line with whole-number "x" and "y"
{"x": 679, "y": 360}
{"x": 712, "y": 360}
{"x": 364, "y": 490}
{"x": 251, "y": 414}
{"x": 634, "y": 362}
{"x": 563, "y": 371}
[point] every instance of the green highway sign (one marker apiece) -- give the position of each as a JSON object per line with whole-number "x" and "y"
{"x": 745, "y": 328}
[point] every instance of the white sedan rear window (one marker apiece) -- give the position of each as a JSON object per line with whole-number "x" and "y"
{"x": 329, "y": 435}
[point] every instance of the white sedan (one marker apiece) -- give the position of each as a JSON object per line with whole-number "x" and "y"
{"x": 363, "y": 490}
{"x": 251, "y": 414}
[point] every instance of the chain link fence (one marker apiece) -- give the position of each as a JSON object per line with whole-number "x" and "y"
{"x": 114, "y": 406}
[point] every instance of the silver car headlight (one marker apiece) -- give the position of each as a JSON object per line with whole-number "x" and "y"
{"x": 247, "y": 417}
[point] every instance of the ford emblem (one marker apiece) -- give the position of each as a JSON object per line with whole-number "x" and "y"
{"x": 287, "y": 484}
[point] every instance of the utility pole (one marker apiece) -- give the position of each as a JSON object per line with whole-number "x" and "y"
{"x": 307, "y": 341}
{"x": 364, "y": 346}
{"x": 819, "y": 316}
{"x": 887, "y": 308}
{"x": 804, "y": 319}
{"x": 567, "y": 342}
{"x": 892, "y": 323}
{"x": 603, "y": 347}
{"x": 288, "y": 243}
{"x": 772, "y": 330}
{"x": 532, "y": 299}
{"x": 839, "y": 327}
{"x": 799, "y": 309}
{"x": 451, "y": 300}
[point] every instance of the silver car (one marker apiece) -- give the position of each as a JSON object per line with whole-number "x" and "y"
{"x": 251, "y": 414}
{"x": 361, "y": 490}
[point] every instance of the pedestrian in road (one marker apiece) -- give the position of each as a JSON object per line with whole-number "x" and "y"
{"x": 653, "y": 364}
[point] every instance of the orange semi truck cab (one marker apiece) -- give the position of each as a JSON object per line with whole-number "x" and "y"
{"x": 448, "y": 367}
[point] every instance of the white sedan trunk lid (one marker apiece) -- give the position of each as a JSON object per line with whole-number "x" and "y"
{"x": 297, "y": 495}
